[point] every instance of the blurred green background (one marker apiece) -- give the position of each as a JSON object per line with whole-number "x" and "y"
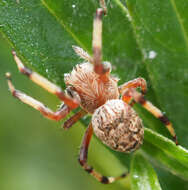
{"x": 37, "y": 153}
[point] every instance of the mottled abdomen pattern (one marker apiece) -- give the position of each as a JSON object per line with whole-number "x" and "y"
{"x": 118, "y": 126}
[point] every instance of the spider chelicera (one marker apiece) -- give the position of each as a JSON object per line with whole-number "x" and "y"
{"x": 90, "y": 86}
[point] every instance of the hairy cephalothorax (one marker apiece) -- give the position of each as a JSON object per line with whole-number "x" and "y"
{"x": 92, "y": 91}
{"x": 91, "y": 86}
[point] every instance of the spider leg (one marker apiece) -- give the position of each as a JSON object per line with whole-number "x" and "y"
{"x": 72, "y": 120}
{"x": 83, "y": 159}
{"x": 45, "y": 111}
{"x": 103, "y": 5}
{"x": 131, "y": 96}
{"x": 97, "y": 42}
{"x": 101, "y": 68}
{"x": 83, "y": 54}
{"x": 138, "y": 82}
{"x": 44, "y": 83}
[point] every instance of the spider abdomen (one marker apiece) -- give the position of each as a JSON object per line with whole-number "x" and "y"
{"x": 118, "y": 126}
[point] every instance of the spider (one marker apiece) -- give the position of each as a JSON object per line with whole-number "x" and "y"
{"x": 91, "y": 86}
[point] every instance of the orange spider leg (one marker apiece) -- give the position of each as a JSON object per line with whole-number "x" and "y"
{"x": 44, "y": 83}
{"x": 135, "y": 83}
{"x": 46, "y": 112}
{"x": 131, "y": 96}
{"x": 72, "y": 120}
{"x": 83, "y": 159}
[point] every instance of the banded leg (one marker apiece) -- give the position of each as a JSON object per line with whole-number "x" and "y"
{"x": 131, "y": 96}
{"x": 44, "y": 83}
{"x": 97, "y": 42}
{"x": 46, "y": 112}
{"x": 101, "y": 68}
{"x": 83, "y": 159}
{"x": 72, "y": 120}
{"x": 138, "y": 82}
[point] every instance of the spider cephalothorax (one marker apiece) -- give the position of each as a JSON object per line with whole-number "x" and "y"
{"x": 92, "y": 91}
{"x": 91, "y": 87}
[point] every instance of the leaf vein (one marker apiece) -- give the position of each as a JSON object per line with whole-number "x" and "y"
{"x": 63, "y": 25}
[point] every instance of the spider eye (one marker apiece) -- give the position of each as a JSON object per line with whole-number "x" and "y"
{"x": 70, "y": 92}
{"x": 107, "y": 66}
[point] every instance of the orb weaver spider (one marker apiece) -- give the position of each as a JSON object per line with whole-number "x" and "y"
{"x": 91, "y": 86}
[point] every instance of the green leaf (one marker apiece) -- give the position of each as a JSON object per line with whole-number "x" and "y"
{"x": 77, "y": 19}
{"x": 163, "y": 160}
{"x": 161, "y": 30}
{"x": 164, "y": 34}
{"x": 43, "y": 32}
{"x": 37, "y": 38}
{"x": 143, "y": 177}
{"x": 177, "y": 152}
{"x": 174, "y": 157}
